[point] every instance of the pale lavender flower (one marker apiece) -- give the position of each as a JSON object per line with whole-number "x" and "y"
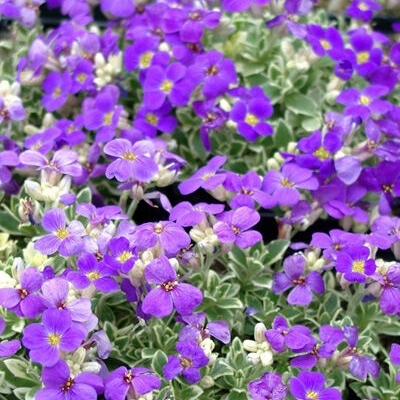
{"x": 7, "y": 347}
{"x": 268, "y": 386}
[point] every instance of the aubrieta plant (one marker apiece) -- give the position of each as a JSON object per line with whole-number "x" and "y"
{"x": 199, "y": 200}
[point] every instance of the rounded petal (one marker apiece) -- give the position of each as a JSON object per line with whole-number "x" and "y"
{"x": 186, "y": 298}
{"x": 157, "y": 303}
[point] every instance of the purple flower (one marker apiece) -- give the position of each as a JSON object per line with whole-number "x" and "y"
{"x": 11, "y": 109}
{"x": 82, "y": 76}
{"x": 135, "y": 381}
{"x": 359, "y": 365}
{"x": 294, "y": 275}
{"x": 57, "y": 87}
{"x": 191, "y": 358}
{"x": 168, "y": 236}
{"x": 283, "y": 185}
{"x": 214, "y": 72}
{"x": 330, "y": 338}
{"x": 324, "y": 41}
{"x": 250, "y": 114}
{"x": 363, "y": 9}
{"x": 186, "y": 214}
{"x": 8, "y": 347}
{"x": 206, "y": 177}
{"x": 170, "y": 83}
{"x": 281, "y": 336}
{"x": 355, "y": 264}
{"x": 60, "y": 384}
{"x": 92, "y": 272}
{"x": 195, "y": 329}
{"x": 133, "y": 161}
{"x": 67, "y": 240}
{"x": 268, "y": 386}
{"x": 169, "y": 292}
{"x": 241, "y": 5}
{"x": 232, "y": 227}
{"x": 24, "y": 301}
{"x": 122, "y": 255}
{"x": 363, "y": 103}
{"x": 394, "y": 356}
{"x": 56, "y": 333}
{"x": 311, "y": 385}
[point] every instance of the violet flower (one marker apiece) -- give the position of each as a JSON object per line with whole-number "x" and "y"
{"x": 7, "y": 347}
{"x": 169, "y": 292}
{"x": 283, "y": 185}
{"x": 132, "y": 382}
{"x": 56, "y": 333}
{"x": 206, "y": 177}
{"x": 191, "y": 358}
{"x": 67, "y": 240}
{"x": 233, "y": 227}
{"x": 24, "y": 301}
{"x": 394, "y": 356}
{"x": 8, "y": 158}
{"x": 311, "y": 385}
{"x": 122, "y": 256}
{"x": 57, "y": 87}
{"x": 324, "y": 41}
{"x": 268, "y": 386}
{"x": 355, "y": 264}
{"x": 363, "y": 9}
{"x": 133, "y": 161}
{"x": 186, "y": 214}
{"x": 294, "y": 275}
{"x": 195, "y": 328}
{"x": 60, "y": 384}
{"x": 241, "y": 5}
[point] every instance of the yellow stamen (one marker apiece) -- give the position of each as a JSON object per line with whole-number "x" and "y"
{"x": 251, "y": 119}
{"x": 108, "y": 118}
{"x": 62, "y": 233}
{"x": 311, "y": 395}
{"x": 365, "y": 100}
{"x": 321, "y": 153}
{"x": 362, "y": 57}
{"x": 358, "y": 266}
{"x": 286, "y": 182}
{"x": 145, "y": 59}
{"x": 129, "y": 156}
{"x": 152, "y": 118}
{"x": 166, "y": 86}
{"x": 124, "y": 256}
{"x": 93, "y": 275}
{"x": 54, "y": 339}
{"x": 325, "y": 44}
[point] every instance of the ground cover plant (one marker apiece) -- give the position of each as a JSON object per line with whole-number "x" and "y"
{"x": 199, "y": 200}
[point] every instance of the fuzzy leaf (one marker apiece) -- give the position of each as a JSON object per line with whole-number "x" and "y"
{"x": 301, "y": 104}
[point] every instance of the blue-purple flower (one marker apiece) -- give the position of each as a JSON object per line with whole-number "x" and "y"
{"x": 268, "y": 386}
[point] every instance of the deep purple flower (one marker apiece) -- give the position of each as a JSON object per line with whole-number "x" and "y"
{"x": 60, "y": 384}
{"x": 91, "y": 271}
{"x": 385, "y": 232}
{"x": 311, "y": 385}
{"x": 206, "y": 177}
{"x": 359, "y": 364}
{"x": 233, "y": 227}
{"x": 133, "y": 161}
{"x": 241, "y": 5}
{"x": 67, "y": 240}
{"x": 166, "y": 83}
{"x": 186, "y": 214}
{"x": 268, "y": 386}
{"x": 283, "y": 185}
{"x": 294, "y": 275}
{"x": 57, "y": 87}
{"x": 122, "y": 256}
{"x": 169, "y": 292}
{"x": 281, "y": 336}
{"x": 362, "y": 9}
{"x": 355, "y": 263}
{"x": 330, "y": 338}
{"x": 24, "y": 301}
{"x": 394, "y": 356}
{"x": 56, "y": 333}
{"x": 191, "y": 358}
{"x": 250, "y": 114}
{"x": 214, "y": 72}
{"x": 7, "y": 347}
{"x": 82, "y": 76}
{"x": 324, "y": 41}
{"x": 135, "y": 381}
{"x": 195, "y": 328}
{"x": 8, "y": 158}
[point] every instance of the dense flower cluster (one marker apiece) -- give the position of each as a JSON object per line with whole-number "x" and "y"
{"x": 107, "y": 279}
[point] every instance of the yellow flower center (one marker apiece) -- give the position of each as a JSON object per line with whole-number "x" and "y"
{"x": 321, "y": 153}
{"x": 387, "y": 188}
{"x": 251, "y": 119}
{"x": 62, "y": 233}
{"x": 152, "y": 118}
{"x": 168, "y": 286}
{"x": 128, "y": 376}
{"x": 362, "y": 6}
{"x": 213, "y": 70}
{"x": 108, "y": 118}
{"x": 57, "y": 92}
{"x": 207, "y": 175}
{"x": 365, "y": 100}
{"x": 311, "y": 395}
{"x": 195, "y": 16}
{"x": 129, "y": 156}
{"x": 68, "y": 384}
{"x": 286, "y": 182}
{"x": 325, "y": 44}
{"x": 93, "y": 275}
{"x": 235, "y": 229}
{"x": 145, "y": 59}
{"x": 124, "y": 256}
{"x": 54, "y": 339}
{"x": 362, "y": 57}
{"x": 81, "y": 77}
{"x": 158, "y": 228}
{"x": 166, "y": 86}
{"x": 358, "y": 266}
{"x": 186, "y": 363}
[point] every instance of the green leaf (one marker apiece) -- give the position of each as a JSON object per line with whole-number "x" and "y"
{"x": 283, "y": 134}
{"x": 301, "y": 104}
{"x": 190, "y": 392}
{"x": 84, "y": 196}
{"x": 158, "y": 361}
{"x": 276, "y": 249}
{"x": 10, "y": 224}
{"x": 311, "y": 124}
{"x": 229, "y": 303}
{"x": 19, "y": 369}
